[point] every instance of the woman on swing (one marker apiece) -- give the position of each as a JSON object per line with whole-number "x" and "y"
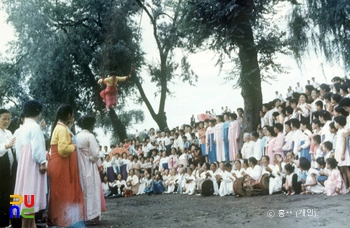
{"x": 110, "y": 94}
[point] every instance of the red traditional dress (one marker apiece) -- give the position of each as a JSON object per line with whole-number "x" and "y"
{"x": 66, "y": 199}
{"x": 110, "y": 94}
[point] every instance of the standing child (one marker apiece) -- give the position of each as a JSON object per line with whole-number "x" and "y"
{"x": 117, "y": 162}
{"x": 173, "y": 158}
{"x": 156, "y": 158}
{"x": 335, "y": 184}
{"x": 317, "y": 152}
{"x": 202, "y": 137}
{"x": 327, "y": 147}
{"x": 333, "y": 135}
{"x": 164, "y": 161}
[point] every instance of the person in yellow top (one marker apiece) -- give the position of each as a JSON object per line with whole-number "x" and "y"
{"x": 66, "y": 199}
{"x": 110, "y": 94}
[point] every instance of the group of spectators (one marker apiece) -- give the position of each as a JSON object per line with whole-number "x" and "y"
{"x": 301, "y": 143}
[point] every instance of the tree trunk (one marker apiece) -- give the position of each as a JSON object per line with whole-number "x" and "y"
{"x": 159, "y": 118}
{"x": 118, "y": 127}
{"x": 250, "y": 80}
{"x": 161, "y": 121}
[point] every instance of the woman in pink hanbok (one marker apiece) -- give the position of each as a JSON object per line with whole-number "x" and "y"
{"x": 234, "y": 131}
{"x": 278, "y": 129}
{"x": 342, "y": 154}
{"x": 270, "y": 144}
{"x": 334, "y": 185}
{"x": 173, "y": 159}
{"x": 31, "y": 176}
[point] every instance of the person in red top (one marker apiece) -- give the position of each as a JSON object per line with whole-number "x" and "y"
{"x": 126, "y": 144}
{"x": 110, "y": 94}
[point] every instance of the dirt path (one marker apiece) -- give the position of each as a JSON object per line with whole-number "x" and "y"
{"x": 197, "y": 211}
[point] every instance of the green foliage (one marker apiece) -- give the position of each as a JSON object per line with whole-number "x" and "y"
{"x": 165, "y": 17}
{"x": 324, "y": 24}
{"x": 64, "y": 47}
{"x": 11, "y": 87}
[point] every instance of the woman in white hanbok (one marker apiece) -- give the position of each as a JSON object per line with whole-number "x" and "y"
{"x": 189, "y": 184}
{"x": 170, "y": 182}
{"x": 142, "y": 184}
{"x": 88, "y": 156}
{"x": 226, "y": 185}
{"x": 275, "y": 180}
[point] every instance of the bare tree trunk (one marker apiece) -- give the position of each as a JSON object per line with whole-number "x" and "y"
{"x": 250, "y": 80}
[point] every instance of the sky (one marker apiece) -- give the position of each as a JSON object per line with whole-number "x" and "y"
{"x": 211, "y": 91}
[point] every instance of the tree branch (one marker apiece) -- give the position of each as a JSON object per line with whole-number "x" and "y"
{"x": 144, "y": 97}
{"x": 154, "y": 24}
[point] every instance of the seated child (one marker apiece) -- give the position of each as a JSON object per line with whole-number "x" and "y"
{"x": 149, "y": 184}
{"x": 127, "y": 190}
{"x": 323, "y": 171}
{"x": 334, "y": 185}
{"x": 291, "y": 186}
{"x": 311, "y": 185}
{"x": 158, "y": 187}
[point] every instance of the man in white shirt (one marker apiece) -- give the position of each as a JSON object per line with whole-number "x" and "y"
{"x": 289, "y": 92}
{"x": 213, "y": 113}
{"x": 248, "y": 146}
{"x": 288, "y": 145}
{"x": 176, "y": 141}
{"x": 275, "y": 103}
{"x": 325, "y": 119}
{"x": 298, "y": 88}
{"x": 279, "y": 96}
{"x": 295, "y": 124}
{"x": 105, "y": 152}
{"x": 101, "y": 153}
{"x": 314, "y": 83}
{"x": 254, "y": 136}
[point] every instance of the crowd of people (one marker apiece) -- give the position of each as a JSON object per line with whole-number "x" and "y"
{"x": 58, "y": 178}
{"x": 301, "y": 146}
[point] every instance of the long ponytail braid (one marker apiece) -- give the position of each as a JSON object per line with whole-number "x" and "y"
{"x": 62, "y": 114}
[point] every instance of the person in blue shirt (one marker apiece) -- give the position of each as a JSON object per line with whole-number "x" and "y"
{"x": 186, "y": 143}
{"x": 225, "y": 128}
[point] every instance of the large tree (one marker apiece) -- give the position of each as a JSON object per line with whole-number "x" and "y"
{"x": 64, "y": 47}
{"x": 237, "y": 28}
{"x": 164, "y": 17}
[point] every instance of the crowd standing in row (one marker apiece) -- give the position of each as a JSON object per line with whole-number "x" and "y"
{"x": 71, "y": 190}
